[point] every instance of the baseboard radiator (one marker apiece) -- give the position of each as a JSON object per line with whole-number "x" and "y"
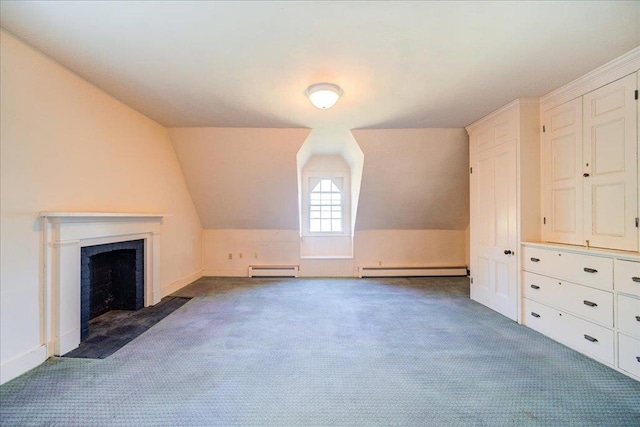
{"x": 412, "y": 271}
{"x": 273, "y": 270}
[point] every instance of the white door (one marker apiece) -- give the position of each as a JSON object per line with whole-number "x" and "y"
{"x": 562, "y": 174}
{"x": 610, "y": 165}
{"x": 493, "y": 228}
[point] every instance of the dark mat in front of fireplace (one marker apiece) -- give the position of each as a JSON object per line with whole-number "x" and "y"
{"x": 111, "y": 331}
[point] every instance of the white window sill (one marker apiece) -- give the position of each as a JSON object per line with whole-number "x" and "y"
{"x": 328, "y": 257}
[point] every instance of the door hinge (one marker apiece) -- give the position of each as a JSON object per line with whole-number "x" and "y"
{"x": 637, "y": 221}
{"x": 544, "y": 129}
{"x": 470, "y": 170}
{"x": 544, "y": 220}
{"x": 636, "y": 96}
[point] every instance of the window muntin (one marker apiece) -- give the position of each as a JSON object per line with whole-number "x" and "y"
{"x": 325, "y": 207}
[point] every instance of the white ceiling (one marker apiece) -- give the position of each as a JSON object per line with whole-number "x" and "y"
{"x": 401, "y": 64}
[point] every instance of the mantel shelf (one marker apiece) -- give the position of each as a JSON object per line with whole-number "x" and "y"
{"x": 112, "y": 215}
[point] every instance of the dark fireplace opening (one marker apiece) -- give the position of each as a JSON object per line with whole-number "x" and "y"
{"x": 112, "y": 278}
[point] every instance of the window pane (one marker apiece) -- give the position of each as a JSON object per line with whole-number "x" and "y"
{"x": 325, "y": 206}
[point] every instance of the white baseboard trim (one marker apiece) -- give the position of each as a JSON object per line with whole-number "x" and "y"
{"x": 226, "y": 273}
{"x": 180, "y": 283}
{"x": 22, "y": 363}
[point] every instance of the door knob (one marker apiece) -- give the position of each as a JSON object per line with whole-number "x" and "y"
{"x": 507, "y": 252}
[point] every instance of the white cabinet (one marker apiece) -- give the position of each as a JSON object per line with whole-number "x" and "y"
{"x": 629, "y": 315}
{"x": 627, "y": 277}
{"x": 562, "y": 173}
{"x": 629, "y": 354}
{"x": 592, "y": 304}
{"x": 504, "y": 158}
{"x": 610, "y": 166}
{"x": 590, "y": 168}
{"x": 585, "y": 299}
{"x": 576, "y": 267}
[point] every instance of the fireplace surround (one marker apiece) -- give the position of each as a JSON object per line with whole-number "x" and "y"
{"x": 65, "y": 234}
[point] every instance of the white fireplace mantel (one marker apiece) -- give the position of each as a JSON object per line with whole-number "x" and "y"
{"x": 64, "y": 234}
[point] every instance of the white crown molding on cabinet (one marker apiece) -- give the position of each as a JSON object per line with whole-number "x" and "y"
{"x": 518, "y": 101}
{"x": 611, "y": 71}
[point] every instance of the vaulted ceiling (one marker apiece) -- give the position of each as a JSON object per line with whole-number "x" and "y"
{"x": 401, "y": 64}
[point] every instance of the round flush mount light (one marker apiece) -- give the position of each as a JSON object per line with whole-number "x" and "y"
{"x": 324, "y": 95}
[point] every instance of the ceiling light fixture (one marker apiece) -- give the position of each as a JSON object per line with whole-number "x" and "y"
{"x": 323, "y": 95}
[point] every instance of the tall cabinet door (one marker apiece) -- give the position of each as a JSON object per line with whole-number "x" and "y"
{"x": 610, "y": 165}
{"x": 562, "y": 174}
{"x": 493, "y": 213}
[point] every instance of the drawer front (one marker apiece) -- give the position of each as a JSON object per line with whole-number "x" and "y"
{"x": 627, "y": 277}
{"x": 588, "y": 338}
{"x": 593, "y": 340}
{"x": 578, "y": 268}
{"x": 629, "y": 315}
{"x": 593, "y": 304}
{"x": 540, "y": 318}
{"x": 629, "y": 354}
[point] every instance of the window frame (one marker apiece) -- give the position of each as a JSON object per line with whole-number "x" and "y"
{"x": 322, "y": 206}
{"x": 344, "y": 187}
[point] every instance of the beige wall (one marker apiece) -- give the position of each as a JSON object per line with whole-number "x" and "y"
{"x": 241, "y": 178}
{"x": 68, "y": 146}
{"x": 431, "y": 248}
{"x": 414, "y": 179}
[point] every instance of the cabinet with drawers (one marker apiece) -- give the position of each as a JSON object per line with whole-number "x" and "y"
{"x": 588, "y": 300}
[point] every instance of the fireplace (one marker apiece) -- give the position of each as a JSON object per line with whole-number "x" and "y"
{"x": 67, "y": 237}
{"x": 111, "y": 278}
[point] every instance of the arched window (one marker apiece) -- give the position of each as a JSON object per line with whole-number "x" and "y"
{"x": 325, "y": 206}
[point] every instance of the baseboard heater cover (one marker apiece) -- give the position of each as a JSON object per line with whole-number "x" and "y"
{"x": 411, "y": 271}
{"x": 273, "y": 270}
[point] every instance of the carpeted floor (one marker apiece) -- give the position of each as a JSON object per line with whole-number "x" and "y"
{"x": 353, "y": 352}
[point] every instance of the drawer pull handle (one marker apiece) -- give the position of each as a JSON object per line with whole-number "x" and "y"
{"x": 535, "y": 259}
{"x": 535, "y": 287}
{"x": 590, "y": 338}
{"x": 637, "y": 318}
{"x": 535, "y": 314}
{"x": 638, "y": 358}
{"x": 589, "y": 303}
{"x": 590, "y": 270}
{"x": 636, "y": 279}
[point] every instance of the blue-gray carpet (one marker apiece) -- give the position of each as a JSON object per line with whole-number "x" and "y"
{"x": 352, "y": 352}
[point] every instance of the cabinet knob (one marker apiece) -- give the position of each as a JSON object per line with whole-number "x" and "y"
{"x": 535, "y": 287}
{"x": 586, "y": 175}
{"x": 637, "y": 318}
{"x": 638, "y": 358}
{"x": 636, "y": 279}
{"x": 507, "y": 252}
{"x": 535, "y": 259}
